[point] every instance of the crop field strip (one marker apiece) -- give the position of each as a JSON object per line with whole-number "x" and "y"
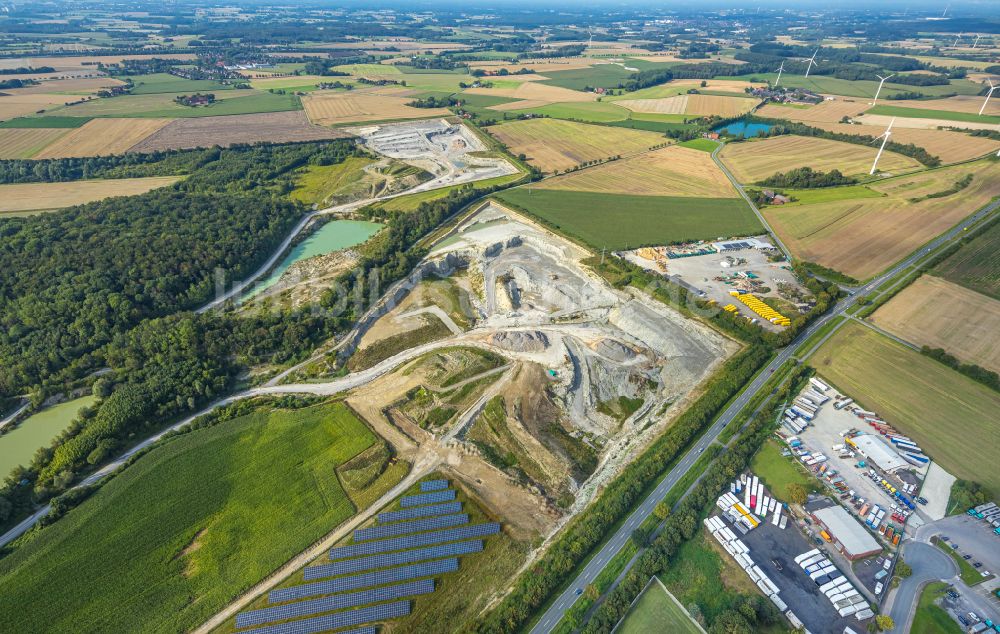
{"x": 414, "y": 541}
{"x": 364, "y": 580}
{"x": 948, "y": 145}
{"x": 401, "y": 528}
{"x": 976, "y": 265}
{"x": 22, "y": 143}
{"x": 337, "y": 620}
{"x": 427, "y": 498}
{"x": 446, "y": 508}
{"x": 335, "y": 602}
{"x": 100, "y": 137}
{"x": 391, "y": 559}
{"x": 433, "y": 485}
{"x": 51, "y": 196}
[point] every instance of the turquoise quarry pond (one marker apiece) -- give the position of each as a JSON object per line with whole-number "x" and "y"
{"x": 746, "y": 129}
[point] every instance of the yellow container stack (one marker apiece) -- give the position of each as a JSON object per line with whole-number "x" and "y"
{"x": 756, "y": 305}
{"x": 729, "y": 308}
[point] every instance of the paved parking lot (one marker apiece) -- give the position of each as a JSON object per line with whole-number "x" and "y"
{"x": 974, "y": 537}
{"x": 768, "y": 542}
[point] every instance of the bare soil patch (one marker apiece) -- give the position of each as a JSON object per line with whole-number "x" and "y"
{"x": 273, "y": 127}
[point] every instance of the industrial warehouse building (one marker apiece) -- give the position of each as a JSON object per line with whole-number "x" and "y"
{"x": 878, "y": 453}
{"x": 850, "y": 537}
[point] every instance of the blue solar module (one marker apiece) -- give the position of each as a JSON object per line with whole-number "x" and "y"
{"x": 427, "y": 498}
{"x": 433, "y": 485}
{"x": 335, "y": 602}
{"x": 364, "y": 580}
{"x": 338, "y": 619}
{"x": 402, "y": 528}
{"x": 414, "y": 541}
{"x": 420, "y": 511}
{"x": 391, "y": 559}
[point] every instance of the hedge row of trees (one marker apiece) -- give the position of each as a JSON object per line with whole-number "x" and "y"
{"x": 977, "y": 373}
{"x": 683, "y": 524}
{"x": 533, "y": 588}
{"x": 806, "y": 177}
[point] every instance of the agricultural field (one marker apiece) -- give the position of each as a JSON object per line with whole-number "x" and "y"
{"x": 670, "y": 171}
{"x": 937, "y": 313}
{"x": 14, "y": 106}
{"x": 165, "y": 83}
{"x": 618, "y": 221}
{"x": 657, "y": 611}
{"x": 51, "y": 196}
{"x": 937, "y": 115}
{"x": 862, "y": 236}
{"x": 976, "y": 265}
{"x": 697, "y": 105}
{"x": 598, "y": 75}
{"x": 949, "y": 146}
{"x": 863, "y": 89}
{"x": 534, "y": 91}
{"x": 824, "y": 112}
{"x": 926, "y": 400}
{"x": 162, "y": 105}
{"x": 681, "y": 86}
{"x": 341, "y": 108}
{"x": 960, "y": 104}
{"x": 552, "y": 145}
{"x": 26, "y": 142}
{"x": 99, "y": 137}
{"x": 754, "y": 161}
{"x": 196, "y": 517}
{"x": 272, "y": 127}
{"x": 589, "y": 111}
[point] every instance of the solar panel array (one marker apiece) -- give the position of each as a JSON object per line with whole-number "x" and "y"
{"x": 338, "y": 619}
{"x": 364, "y": 580}
{"x": 414, "y": 541}
{"x": 427, "y": 498}
{"x": 336, "y": 602}
{"x": 433, "y": 485}
{"x": 420, "y": 511}
{"x": 402, "y": 528}
{"x": 391, "y": 559}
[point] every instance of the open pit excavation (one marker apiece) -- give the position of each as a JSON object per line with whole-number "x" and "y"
{"x": 451, "y": 152}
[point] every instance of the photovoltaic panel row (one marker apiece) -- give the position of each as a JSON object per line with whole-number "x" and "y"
{"x": 445, "y": 508}
{"x": 402, "y": 528}
{"x": 380, "y": 577}
{"x": 414, "y": 541}
{"x": 339, "y": 619}
{"x": 336, "y": 602}
{"x": 433, "y": 485}
{"x": 427, "y": 498}
{"x": 391, "y": 559}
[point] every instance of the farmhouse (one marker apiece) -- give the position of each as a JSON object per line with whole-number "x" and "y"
{"x": 846, "y": 534}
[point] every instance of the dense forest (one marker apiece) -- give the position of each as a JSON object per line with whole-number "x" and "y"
{"x": 74, "y": 280}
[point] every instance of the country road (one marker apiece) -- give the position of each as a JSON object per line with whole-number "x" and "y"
{"x": 557, "y": 610}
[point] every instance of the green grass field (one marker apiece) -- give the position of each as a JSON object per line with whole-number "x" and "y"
{"x": 164, "y": 82}
{"x": 705, "y": 145}
{"x": 600, "y": 76}
{"x": 929, "y": 618}
{"x": 778, "y": 471}
{"x": 976, "y": 265}
{"x": 922, "y": 113}
{"x": 45, "y": 122}
{"x": 619, "y": 221}
{"x": 848, "y": 88}
{"x": 942, "y": 410}
{"x": 589, "y": 111}
{"x": 181, "y": 532}
{"x": 655, "y": 612}
{"x": 829, "y": 194}
{"x": 163, "y": 106}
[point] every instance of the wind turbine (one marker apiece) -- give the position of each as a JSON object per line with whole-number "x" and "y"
{"x": 874, "y": 101}
{"x": 590, "y": 42}
{"x": 780, "y": 69}
{"x": 812, "y": 60}
{"x": 885, "y": 139}
{"x": 988, "y": 95}
{"x": 955, "y": 43}
{"x": 976, "y": 43}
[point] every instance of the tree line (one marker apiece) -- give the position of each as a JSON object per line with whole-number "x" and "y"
{"x": 806, "y": 177}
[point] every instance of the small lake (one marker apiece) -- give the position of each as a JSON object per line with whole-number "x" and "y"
{"x": 748, "y": 130}
{"x": 20, "y": 444}
{"x": 333, "y": 236}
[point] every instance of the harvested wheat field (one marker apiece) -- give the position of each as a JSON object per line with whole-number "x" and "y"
{"x": 670, "y": 171}
{"x": 960, "y": 103}
{"x": 100, "y": 137}
{"x": 17, "y": 105}
{"x": 934, "y": 312}
{"x": 825, "y": 112}
{"x": 555, "y": 145}
{"x": 86, "y": 62}
{"x": 519, "y": 105}
{"x": 947, "y": 145}
{"x": 35, "y": 196}
{"x": 754, "y": 161}
{"x": 536, "y": 92}
{"x": 863, "y": 236}
{"x": 273, "y": 127}
{"x": 22, "y": 143}
{"x": 351, "y": 108}
{"x": 882, "y": 120}
{"x": 679, "y": 87}
{"x": 81, "y": 85}
{"x": 698, "y": 105}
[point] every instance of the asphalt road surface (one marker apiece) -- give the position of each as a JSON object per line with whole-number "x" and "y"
{"x": 565, "y": 600}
